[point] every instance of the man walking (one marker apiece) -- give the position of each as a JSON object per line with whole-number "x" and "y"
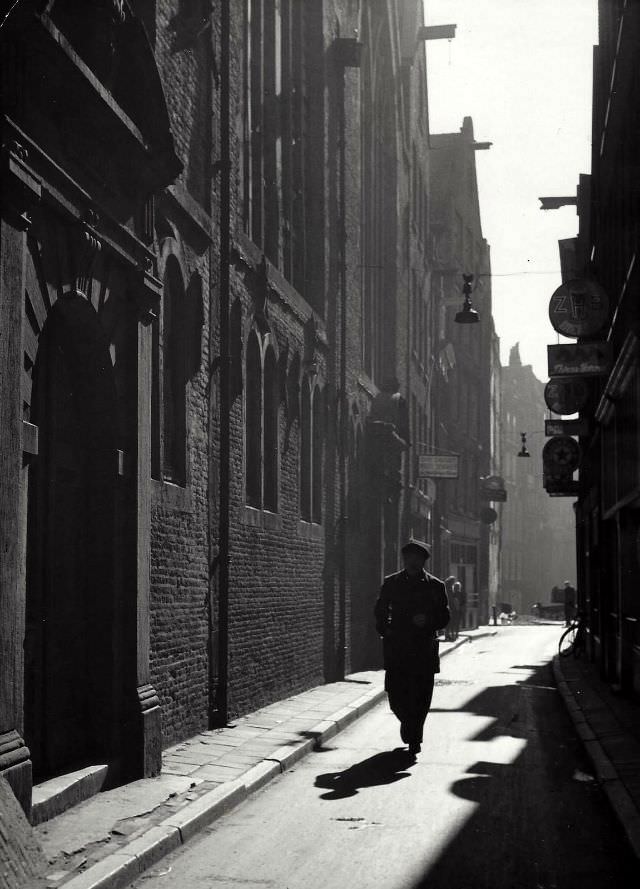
{"x": 411, "y": 608}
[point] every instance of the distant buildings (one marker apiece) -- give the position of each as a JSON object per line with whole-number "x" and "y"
{"x": 463, "y": 363}
{"x": 538, "y": 545}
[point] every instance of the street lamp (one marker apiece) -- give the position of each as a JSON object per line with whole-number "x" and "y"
{"x": 467, "y": 315}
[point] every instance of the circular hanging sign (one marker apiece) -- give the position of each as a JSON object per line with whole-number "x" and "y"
{"x": 579, "y": 308}
{"x": 488, "y": 515}
{"x": 561, "y": 455}
{"x": 566, "y": 395}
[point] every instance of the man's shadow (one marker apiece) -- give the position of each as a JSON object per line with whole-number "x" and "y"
{"x": 383, "y": 768}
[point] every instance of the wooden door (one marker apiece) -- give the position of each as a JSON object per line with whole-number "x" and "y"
{"x": 70, "y": 558}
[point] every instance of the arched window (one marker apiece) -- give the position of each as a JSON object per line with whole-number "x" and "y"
{"x": 262, "y": 424}
{"x": 253, "y": 423}
{"x": 306, "y": 424}
{"x": 379, "y": 190}
{"x": 317, "y": 456}
{"x": 271, "y": 402}
{"x": 311, "y": 452}
{"x": 174, "y": 377}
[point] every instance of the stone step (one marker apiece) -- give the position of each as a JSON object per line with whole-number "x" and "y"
{"x": 56, "y": 795}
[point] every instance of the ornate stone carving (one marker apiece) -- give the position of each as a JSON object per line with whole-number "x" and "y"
{"x": 20, "y": 187}
{"x": 87, "y": 248}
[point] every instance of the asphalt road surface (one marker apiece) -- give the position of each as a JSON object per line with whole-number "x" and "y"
{"x": 494, "y": 801}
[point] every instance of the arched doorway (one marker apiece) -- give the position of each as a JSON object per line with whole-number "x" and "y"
{"x": 71, "y": 544}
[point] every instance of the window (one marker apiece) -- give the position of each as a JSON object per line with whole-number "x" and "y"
{"x": 174, "y": 377}
{"x": 271, "y": 437}
{"x": 262, "y": 421}
{"x": 282, "y": 182}
{"x": 312, "y": 432}
{"x": 317, "y": 455}
{"x": 253, "y": 423}
{"x": 379, "y": 189}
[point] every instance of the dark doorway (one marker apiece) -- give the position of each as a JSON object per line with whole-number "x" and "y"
{"x": 69, "y": 647}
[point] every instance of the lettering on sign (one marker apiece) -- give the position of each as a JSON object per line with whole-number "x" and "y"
{"x": 582, "y": 359}
{"x": 566, "y": 427}
{"x": 493, "y": 488}
{"x": 562, "y": 488}
{"x": 579, "y": 308}
{"x": 432, "y": 466}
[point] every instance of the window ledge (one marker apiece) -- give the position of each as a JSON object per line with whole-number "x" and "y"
{"x": 260, "y": 518}
{"x": 171, "y": 496}
{"x": 310, "y": 530}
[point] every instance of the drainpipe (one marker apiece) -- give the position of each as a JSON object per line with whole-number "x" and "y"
{"x": 221, "y": 703}
{"x": 348, "y": 55}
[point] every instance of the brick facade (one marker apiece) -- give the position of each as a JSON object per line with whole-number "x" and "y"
{"x": 263, "y": 222}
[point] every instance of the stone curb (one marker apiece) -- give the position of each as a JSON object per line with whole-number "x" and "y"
{"x": 617, "y": 794}
{"x": 120, "y": 868}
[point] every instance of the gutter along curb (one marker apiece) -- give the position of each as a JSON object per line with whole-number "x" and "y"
{"x": 621, "y": 802}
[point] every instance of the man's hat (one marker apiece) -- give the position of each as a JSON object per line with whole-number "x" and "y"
{"x": 417, "y": 546}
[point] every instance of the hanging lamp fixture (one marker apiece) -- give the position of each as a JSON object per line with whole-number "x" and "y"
{"x": 467, "y": 314}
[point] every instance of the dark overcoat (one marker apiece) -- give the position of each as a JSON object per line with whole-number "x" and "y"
{"x": 407, "y": 646}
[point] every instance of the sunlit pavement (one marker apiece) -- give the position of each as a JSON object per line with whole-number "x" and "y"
{"x": 499, "y": 797}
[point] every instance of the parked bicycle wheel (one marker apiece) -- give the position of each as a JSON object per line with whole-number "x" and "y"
{"x": 567, "y": 641}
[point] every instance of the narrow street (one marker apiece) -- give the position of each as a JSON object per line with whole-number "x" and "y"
{"x": 499, "y": 798}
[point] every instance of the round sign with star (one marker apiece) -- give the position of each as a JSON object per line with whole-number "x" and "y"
{"x": 561, "y": 455}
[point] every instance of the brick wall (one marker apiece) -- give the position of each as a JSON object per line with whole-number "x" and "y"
{"x": 285, "y": 610}
{"x": 180, "y": 517}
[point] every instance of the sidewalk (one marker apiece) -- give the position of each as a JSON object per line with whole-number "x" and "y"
{"x": 609, "y": 726}
{"x": 107, "y": 841}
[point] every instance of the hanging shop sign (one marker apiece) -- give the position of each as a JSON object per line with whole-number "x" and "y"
{"x": 432, "y": 466}
{"x": 583, "y": 359}
{"x": 493, "y": 488}
{"x": 566, "y": 427}
{"x": 561, "y": 456}
{"x": 579, "y": 308}
{"x": 562, "y": 487}
{"x": 566, "y": 395}
{"x": 488, "y": 515}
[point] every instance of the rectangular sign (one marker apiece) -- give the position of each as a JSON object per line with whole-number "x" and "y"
{"x": 566, "y": 427}
{"x": 562, "y": 487}
{"x": 496, "y": 495}
{"x": 579, "y": 359}
{"x": 431, "y": 466}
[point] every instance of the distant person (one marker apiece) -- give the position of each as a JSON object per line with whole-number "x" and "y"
{"x": 557, "y": 594}
{"x": 461, "y": 598}
{"x": 411, "y": 608}
{"x": 451, "y": 633}
{"x": 569, "y": 603}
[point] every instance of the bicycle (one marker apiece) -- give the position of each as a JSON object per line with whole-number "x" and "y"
{"x": 574, "y": 639}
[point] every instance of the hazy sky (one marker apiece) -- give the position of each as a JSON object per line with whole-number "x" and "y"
{"x": 522, "y": 69}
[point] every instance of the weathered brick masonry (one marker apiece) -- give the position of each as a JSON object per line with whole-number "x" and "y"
{"x": 114, "y": 250}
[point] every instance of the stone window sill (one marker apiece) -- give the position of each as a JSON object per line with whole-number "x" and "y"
{"x": 310, "y": 530}
{"x": 170, "y": 496}
{"x": 260, "y": 518}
